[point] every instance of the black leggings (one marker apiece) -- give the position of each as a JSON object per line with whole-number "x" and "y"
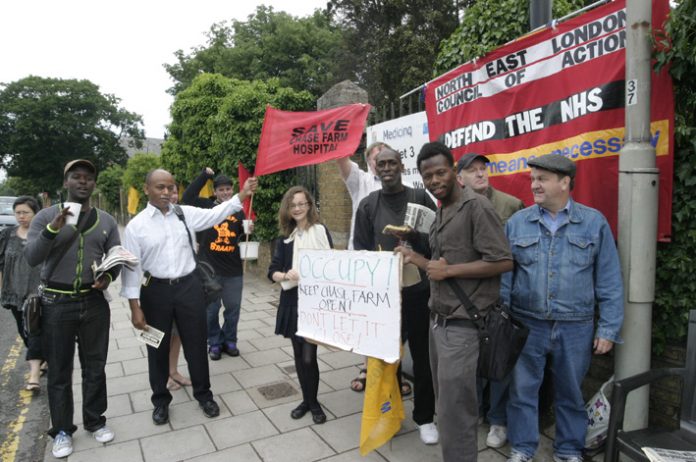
{"x": 307, "y": 371}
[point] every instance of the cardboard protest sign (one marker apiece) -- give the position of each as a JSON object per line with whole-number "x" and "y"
{"x": 294, "y": 139}
{"x": 561, "y": 90}
{"x": 351, "y": 300}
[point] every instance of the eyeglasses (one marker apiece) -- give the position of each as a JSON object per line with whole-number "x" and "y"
{"x": 299, "y": 205}
{"x": 23, "y": 212}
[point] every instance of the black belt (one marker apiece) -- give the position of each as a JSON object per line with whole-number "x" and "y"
{"x": 170, "y": 282}
{"x": 441, "y": 321}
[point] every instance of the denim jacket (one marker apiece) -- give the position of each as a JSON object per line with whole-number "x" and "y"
{"x": 562, "y": 276}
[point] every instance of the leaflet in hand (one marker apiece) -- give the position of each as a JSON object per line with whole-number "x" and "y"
{"x": 419, "y": 217}
{"x": 117, "y": 255}
{"x": 151, "y": 336}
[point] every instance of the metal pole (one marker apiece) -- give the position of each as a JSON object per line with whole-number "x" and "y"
{"x": 638, "y": 202}
{"x": 539, "y": 13}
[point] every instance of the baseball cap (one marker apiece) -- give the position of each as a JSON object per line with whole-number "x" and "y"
{"x": 79, "y": 163}
{"x": 467, "y": 159}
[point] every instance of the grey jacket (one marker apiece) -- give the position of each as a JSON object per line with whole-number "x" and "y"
{"x": 74, "y": 269}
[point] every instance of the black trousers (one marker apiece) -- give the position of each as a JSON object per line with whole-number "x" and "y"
{"x": 32, "y": 342}
{"x": 416, "y": 324}
{"x": 184, "y": 302}
{"x": 65, "y": 319}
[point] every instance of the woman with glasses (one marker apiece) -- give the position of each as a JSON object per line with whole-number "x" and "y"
{"x": 20, "y": 280}
{"x": 298, "y": 220}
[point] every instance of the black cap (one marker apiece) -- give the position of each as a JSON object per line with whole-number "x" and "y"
{"x": 467, "y": 159}
{"x": 554, "y": 163}
{"x": 79, "y": 163}
{"x": 222, "y": 180}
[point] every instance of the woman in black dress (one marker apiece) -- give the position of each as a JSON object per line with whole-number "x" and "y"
{"x": 299, "y": 225}
{"x": 19, "y": 280}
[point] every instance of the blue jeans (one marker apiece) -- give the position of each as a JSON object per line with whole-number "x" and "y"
{"x": 497, "y": 401}
{"x": 232, "y": 300}
{"x": 568, "y": 347}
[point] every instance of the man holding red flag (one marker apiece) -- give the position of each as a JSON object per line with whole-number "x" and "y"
{"x": 219, "y": 246}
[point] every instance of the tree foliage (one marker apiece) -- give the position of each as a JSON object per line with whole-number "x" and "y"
{"x": 489, "y": 24}
{"x": 216, "y": 123}
{"x": 392, "y": 44}
{"x": 46, "y": 122}
{"x": 301, "y": 52}
{"x": 675, "y": 284}
{"x": 109, "y": 184}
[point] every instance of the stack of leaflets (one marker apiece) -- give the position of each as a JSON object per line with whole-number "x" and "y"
{"x": 669, "y": 455}
{"x": 117, "y": 255}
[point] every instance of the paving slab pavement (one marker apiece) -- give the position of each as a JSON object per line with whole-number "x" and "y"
{"x": 254, "y": 425}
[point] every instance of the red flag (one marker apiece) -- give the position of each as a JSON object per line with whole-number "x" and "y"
{"x": 242, "y": 175}
{"x": 294, "y": 139}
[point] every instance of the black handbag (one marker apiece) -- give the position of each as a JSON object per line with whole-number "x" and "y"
{"x": 501, "y": 337}
{"x": 31, "y": 314}
{"x": 206, "y": 273}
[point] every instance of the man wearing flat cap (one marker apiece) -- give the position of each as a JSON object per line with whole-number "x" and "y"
{"x": 472, "y": 173}
{"x": 219, "y": 246}
{"x": 74, "y": 307}
{"x": 565, "y": 264}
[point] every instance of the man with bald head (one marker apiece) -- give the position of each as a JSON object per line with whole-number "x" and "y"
{"x": 388, "y": 207}
{"x": 171, "y": 289}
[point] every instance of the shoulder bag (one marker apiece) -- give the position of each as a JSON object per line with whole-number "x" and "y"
{"x": 501, "y": 337}
{"x": 32, "y": 307}
{"x": 212, "y": 288}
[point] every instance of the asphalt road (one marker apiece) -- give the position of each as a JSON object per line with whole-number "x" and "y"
{"x": 24, "y": 417}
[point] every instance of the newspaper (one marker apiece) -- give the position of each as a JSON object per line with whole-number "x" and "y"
{"x": 151, "y": 336}
{"x": 669, "y": 455}
{"x": 419, "y": 217}
{"x": 117, "y": 255}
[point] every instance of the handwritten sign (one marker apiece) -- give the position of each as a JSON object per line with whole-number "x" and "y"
{"x": 351, "y": 300}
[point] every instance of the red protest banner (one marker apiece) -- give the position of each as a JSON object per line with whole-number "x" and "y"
{"x": 294, "y": 139}
{"x": 563, "y": 91}
{"x": 242, "y": 175}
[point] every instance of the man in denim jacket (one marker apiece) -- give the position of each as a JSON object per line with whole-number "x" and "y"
{"x": 565, "y": 264}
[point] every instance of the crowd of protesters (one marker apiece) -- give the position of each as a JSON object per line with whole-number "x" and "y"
{"x": 553, "y": 263}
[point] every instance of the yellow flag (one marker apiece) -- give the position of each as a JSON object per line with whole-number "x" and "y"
{"x": 207, "y": 190}
{"x": 133, "y": 200}
{"x": 383, "y": 409}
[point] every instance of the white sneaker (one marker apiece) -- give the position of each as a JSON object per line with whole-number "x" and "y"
{"x": 62, "y": 445}
{"x": 104, "y": 434}
{"x": 428, "y": 433}
{"x": 557, "y": 458}
{"x": 518, "y": 457}
{"x": 497, "y": 436}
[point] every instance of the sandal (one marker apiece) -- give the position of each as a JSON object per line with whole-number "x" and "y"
{"x": 33, "y": 387}
{"x": 173, "y": 385}
{"x": 180, "y": 379}
{"x": 406, "y": 388}
{"x": 43, "y": 368}
{"x": 358, "y": 383}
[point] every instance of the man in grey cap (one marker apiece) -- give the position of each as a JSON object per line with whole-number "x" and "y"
{"x": 472, "y": 173}
{"x": 565, "y": 263}
{"x": 74, "y": 306}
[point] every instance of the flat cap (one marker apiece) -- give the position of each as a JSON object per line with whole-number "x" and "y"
{"x": 222, "y": 180}
{"x": 79, "y": 163}
{"x": 554, "y": 163}
{"x": 467, "y": 159}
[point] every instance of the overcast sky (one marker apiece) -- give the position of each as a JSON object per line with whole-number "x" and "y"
{"x": 120, "y": 46}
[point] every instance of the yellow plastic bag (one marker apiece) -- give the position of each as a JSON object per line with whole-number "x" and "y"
{"x": 383, "y": 409}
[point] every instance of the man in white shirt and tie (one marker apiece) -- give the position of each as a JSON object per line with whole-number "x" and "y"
{"x": 172, "y": 289}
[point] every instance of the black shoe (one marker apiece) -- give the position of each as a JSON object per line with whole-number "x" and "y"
{"x": 210, "y": 408}
{"x": 299, "y": 411}
{"x": 231, "y": 349}
{"x": 160, "y": 415}
{"x": 215, "y": 352}
{"x": 318, "y": 415}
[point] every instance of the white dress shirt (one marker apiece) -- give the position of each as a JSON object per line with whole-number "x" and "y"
{"x": 359, "y": 184}
{"x": 160, "y": 242}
